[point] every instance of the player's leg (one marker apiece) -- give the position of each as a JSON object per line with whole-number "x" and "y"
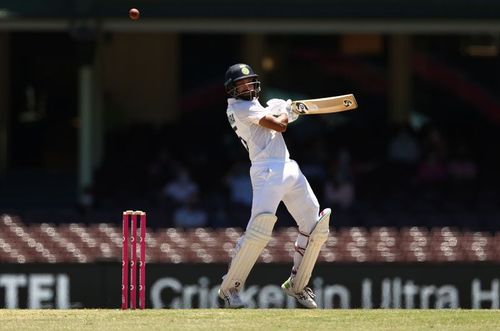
{"x": 256, "y": 237}
{"x": 296, "y": 284}
{"x": 308, "y": 257}
{"x": 266, "y": 199}
{"x": 303, "y": 205}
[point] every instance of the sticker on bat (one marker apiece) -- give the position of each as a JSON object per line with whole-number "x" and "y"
{"x": 302, "y": 108}
{"x": 347, "y": 102}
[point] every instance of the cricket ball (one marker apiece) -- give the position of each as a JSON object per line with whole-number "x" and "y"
{"x": 134, "y": 13}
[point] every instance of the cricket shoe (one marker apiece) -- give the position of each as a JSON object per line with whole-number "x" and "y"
{"x": 231, "y": 299}
{"x": 304, "y": 297}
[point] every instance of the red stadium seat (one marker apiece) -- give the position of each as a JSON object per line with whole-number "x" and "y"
{"x": 79, "y": 243}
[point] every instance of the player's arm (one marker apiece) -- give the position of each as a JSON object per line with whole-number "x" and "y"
{"x": 277, "y": 123}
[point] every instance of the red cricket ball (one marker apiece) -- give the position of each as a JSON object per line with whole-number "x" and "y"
{"x": 134, "y": 13}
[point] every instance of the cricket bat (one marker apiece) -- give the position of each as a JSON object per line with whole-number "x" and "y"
{"x": 325, "y": 105}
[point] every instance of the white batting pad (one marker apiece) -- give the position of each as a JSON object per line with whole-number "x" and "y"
{"x": 317, "y": 238}
{"x": 255, "y": 240}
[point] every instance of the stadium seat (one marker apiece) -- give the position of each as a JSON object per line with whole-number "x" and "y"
{"x": 80, "y": 243}
{"x": 478, "y": 246}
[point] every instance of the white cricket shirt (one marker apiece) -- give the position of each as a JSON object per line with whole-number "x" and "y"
{"x": 263, "y": 144}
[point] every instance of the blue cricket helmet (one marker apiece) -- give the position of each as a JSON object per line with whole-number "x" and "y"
{"x": 238, "y": 72}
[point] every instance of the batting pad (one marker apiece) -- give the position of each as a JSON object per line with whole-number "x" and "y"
{"x": 255, "y": 240}
{"x": 317, "y": 238}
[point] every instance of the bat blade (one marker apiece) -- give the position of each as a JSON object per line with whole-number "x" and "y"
{"x": 325, "y": 105}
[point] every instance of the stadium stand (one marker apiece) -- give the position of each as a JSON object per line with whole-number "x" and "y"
{"x": 79, "y": 243}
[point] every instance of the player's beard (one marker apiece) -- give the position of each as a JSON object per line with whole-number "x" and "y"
{"x": 253, "y": 89}
{"x": 249, "y": 95}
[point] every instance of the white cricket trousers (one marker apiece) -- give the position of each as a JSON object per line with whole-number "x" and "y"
{"x": 273, "y": 182}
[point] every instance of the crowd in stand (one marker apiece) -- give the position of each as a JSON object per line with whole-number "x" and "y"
{"x": 419, "y": 177}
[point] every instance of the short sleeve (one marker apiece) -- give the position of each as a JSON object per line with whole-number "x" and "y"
{"x": 249, "y": 111}
{"x": 256, "y": 112}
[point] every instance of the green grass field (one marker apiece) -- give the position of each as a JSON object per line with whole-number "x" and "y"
{"x": 249, "y": 319}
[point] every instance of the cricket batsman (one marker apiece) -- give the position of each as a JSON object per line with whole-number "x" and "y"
{"x": 275, "y": 178}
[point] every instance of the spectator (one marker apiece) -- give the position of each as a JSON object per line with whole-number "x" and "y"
{"x": 403, "y": 155}
{"x": 339, "y": 188}
{"x": 403, "y": 147}
{"x": 435, "y": 143}
{"x": 181, "y": 188}
{"x": 190, "y": 214}
{"x": 315, "y": 156}
{"x": 432, "y": 170}
{"x": 344, "y": 166}
{"x": 461, "y": 167}
{"x": 239, "y": 184}
{"x": 240, "y": 194}
{"x": 86, "y": 203}
{"x": 339, "y": 193}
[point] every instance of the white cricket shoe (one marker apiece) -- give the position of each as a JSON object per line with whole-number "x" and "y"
{"x": 304, "y": 297}
{"x": 231, "y": 299}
